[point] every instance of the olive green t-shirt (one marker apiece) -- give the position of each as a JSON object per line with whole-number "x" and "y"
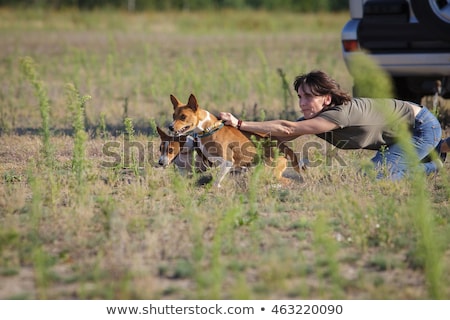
{"x": 366, "y": 123}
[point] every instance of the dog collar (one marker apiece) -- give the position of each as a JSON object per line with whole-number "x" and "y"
{"x": 209, "y": 131}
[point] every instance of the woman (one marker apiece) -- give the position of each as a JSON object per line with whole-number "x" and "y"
{"x": 355, "y": 123}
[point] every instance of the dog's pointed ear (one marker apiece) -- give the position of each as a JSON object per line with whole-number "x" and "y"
{"x": 175, "y": 101}
{"x": 161, "y": 133}
{"x": 192, "y": 102}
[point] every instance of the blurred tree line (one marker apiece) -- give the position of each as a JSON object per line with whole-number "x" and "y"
{"x": 161, "y": 5}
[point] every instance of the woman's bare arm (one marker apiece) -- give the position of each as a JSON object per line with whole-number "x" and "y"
{"x": 282, "y": 128}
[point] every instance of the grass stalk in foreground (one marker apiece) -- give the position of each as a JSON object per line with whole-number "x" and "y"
{"x": 376, "y": 84}
{"x": 130, "y": 155}
{"x": 29, "y": 70}
{"x": 326, "y": 251}
{"x": 77, "y": 106}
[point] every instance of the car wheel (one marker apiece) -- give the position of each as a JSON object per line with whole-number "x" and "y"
{"x": 435, "y": 15}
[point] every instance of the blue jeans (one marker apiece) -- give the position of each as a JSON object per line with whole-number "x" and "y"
{"x": 425, "y": 137}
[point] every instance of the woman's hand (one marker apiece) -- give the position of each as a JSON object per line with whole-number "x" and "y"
{"x": 229, "y": 119}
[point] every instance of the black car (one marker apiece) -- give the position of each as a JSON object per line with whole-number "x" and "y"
{"x": 409, "y": 39}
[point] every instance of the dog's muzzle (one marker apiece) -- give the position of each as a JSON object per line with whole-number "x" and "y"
{"x": 180, "y": 132}
{"x": 163, "y": 162}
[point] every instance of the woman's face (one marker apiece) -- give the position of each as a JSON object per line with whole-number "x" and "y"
{"x": 310, "y": 104}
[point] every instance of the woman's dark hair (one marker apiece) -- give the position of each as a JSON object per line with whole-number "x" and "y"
{"x": 322, "y": 84}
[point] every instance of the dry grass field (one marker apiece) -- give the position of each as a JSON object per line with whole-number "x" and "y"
{"x": 80, "y": 221}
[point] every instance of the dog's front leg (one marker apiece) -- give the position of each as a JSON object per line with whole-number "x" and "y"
{"x": 224, "y": 167}
{"x": 183, "y": 162}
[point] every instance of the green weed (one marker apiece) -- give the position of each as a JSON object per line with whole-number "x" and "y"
{"x": 29, "y": 70}
{"x": 77, "y": 105}
{"x": 418, "y": 201}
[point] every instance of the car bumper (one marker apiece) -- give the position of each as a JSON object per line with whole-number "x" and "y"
{"x": 399, "y": 64}
{"x": 436, "y": 64}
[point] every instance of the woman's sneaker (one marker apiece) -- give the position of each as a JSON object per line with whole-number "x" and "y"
{"x": 442, "y": 155}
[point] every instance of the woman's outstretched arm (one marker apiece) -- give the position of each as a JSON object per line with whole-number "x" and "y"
{"x": 281, "y": 128}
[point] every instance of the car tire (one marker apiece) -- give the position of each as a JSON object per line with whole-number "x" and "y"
{"x": 430, "y": 15}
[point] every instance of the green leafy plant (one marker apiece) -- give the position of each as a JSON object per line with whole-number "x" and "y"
{"x": 29, "y": 70}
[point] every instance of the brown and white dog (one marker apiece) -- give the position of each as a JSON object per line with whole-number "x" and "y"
{"x": 181, "y": 152}
{"x": 224, "y": 146}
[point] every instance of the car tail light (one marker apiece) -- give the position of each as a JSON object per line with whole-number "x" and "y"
{"x": 350, "y": 45}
